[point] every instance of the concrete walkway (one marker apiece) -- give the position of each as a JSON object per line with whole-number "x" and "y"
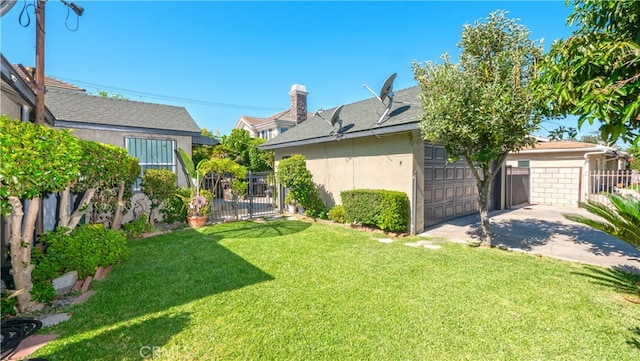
{"x": 543, "y": 230}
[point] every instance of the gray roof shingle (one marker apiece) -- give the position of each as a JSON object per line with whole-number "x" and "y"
{"x": 83, "y": 108}
{"x": 358, "y": 119}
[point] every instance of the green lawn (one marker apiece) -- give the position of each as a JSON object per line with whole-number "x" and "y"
{"x": 292, "y": 290}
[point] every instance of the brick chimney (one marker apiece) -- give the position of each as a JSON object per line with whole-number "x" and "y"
{"x": 298, "y": 95}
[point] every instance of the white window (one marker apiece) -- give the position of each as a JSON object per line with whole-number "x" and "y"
{"x": 152, "y": 154}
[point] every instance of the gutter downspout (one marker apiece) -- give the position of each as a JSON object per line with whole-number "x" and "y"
{"x": 24, "y": 113}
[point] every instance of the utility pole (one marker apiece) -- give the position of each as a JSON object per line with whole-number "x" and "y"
{"x": 39, "y": 88}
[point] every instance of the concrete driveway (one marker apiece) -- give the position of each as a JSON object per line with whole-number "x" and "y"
{"x": 543, "y": 230}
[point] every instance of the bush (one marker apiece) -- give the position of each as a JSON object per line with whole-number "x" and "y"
{"x": 293, "y": 174}
{"x": 85, "y": 249}
{"x": 387, "y": 210}
{"x": 159, "y": 185}
{"x": 337, "y": 214}
{"x": 7, "y": 305}
{"x": 137, "y": 227}
{"x": 174, "y": 209}
{"x": 43, "y": 292}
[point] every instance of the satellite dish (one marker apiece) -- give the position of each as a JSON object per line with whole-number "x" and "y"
{"x": 335, "y": 116}
{"x": 385, "y": 92}
{"x": 387, "y": 87}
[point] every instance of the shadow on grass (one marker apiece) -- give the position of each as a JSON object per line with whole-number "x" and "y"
{"x": 157, "y": 331}
{"x": 530, "y": 233}
{"x": 163, "y": 272}
{"x": 622, "y": 281}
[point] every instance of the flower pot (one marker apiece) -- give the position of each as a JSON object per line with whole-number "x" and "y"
{"x": 196, "y": 221}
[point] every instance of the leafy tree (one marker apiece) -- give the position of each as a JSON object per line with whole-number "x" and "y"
{"x": 482, "y": 108}
{"x": 621, "y": 219}
{"x": 559, "y": 133}
{"x": 595, "y": 73}
{"x": 242, "y": 149}
{"x": 219, "y": 168}
{"x": 592, "y": 137}
{"x": 98, "y": 166}
{"x": 34, "y": 160}
{"x": 105, "y": 94}
{"x": 635, "y": 157}
{"x": 159, "y": 185}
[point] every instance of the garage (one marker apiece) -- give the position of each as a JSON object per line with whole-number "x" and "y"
{"x": 450, "y": 189}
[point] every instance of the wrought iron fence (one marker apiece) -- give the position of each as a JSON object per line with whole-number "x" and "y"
{"x": 258, "y": 199}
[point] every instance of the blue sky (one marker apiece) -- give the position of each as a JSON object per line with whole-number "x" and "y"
{"x": 221, "y": 60}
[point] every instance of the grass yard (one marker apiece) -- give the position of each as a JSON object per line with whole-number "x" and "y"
{"x": 293, "y": 290}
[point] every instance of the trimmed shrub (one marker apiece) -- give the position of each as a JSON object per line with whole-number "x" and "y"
{"x": 137, "y": 227}
{"x": 293, "y": 174}
{"x": 387, "y": 210}
{"x": 337, "y": 214}
{"x": 174, "y": 209}
{"x": 84, "y": 249}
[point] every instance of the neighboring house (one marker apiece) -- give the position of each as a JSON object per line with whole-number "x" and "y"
{"x": 151, "y": 132}
{"x": 390, "y": 156}
{"x": 269, "y": 127}
{"x": 564, "y": 173}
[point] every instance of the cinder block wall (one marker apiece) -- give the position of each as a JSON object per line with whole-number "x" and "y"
{"x": 555, "y": 186}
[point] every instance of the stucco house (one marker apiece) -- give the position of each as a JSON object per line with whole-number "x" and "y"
{"x": 563, "y": 173}
{"x": 271, "y": 126}
{"x": 359, "y": 154}
{"x": 149, "y": 131}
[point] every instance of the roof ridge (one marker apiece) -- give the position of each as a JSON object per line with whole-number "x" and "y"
{"x": 113, "y": 99}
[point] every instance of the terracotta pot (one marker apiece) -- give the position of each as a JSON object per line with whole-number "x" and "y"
{"x": 196, "y": 222}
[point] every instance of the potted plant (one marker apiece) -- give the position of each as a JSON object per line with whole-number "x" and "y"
{"x": 291, "y": 203}
{"x": 197, "y": 206}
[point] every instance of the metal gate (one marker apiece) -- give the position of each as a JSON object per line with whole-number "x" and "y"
{"x": 518, "y": 186}
{"x": 259, "y": 198}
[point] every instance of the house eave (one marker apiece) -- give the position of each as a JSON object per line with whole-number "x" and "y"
{"x": 119, "y": 128}
{"x": 359, "y": 134}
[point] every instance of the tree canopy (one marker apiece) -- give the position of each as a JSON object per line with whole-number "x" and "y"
{"x": 595, "y": 73}
{"x": 482, "y": 107}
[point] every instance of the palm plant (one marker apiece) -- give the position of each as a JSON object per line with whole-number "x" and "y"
{"x": 621, "y": 217}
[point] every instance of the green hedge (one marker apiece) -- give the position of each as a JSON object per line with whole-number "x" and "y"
{"x": 84, "y": 249}
{"x": 387, "y": 210}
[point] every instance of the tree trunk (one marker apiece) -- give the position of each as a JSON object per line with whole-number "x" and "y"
{"x": 119, "y": 213}
{"x": 483, "y": 203}
{"x": 71, "y": 221}
{"x": 21, "y": 244}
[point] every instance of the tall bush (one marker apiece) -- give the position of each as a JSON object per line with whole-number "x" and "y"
{"x": 34, "y": 160}
{"x": 293, "y": 174}
{"x": 159, "y": 185}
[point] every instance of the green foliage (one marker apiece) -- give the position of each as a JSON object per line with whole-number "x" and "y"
{"x": 242, "y": 149}
{"x": 43, "y": 292}
{"x": 84, "y": 249}
{"x": 174, "y": 209}
{"x": 560, "y": 132}
{"x": 159, "y": 185}
{"x": 621, "y": 218}
{"x": 387, "y": 210}
{"x": 137, "y": 227}
{"x": 634, "y": 151}
{"x": 7, "y": 305}
{"x": 293, "y": 174}
{"x": 483, "y": 107}
{"x": 337, "y": 214}
{"x": 120, "y": 169}
{"x": 595, "y": 72}
{"x": 35, "y": 159}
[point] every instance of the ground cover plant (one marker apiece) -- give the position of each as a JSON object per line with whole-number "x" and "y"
{"x": 294, "y": 290}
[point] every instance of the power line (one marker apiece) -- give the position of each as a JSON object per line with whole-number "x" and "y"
{"x": 165, "y": 97}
